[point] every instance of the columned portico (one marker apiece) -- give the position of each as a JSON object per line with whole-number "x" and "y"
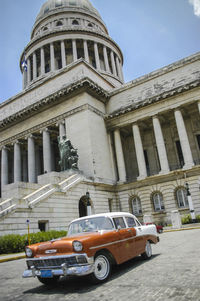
{"x": 120, "y": 156}
{"x": 139, "y": 152}
{"x": 17, "y": 162}
{"x": 31, "y": 160}
{"x": 46, "y": 150}
{"x": 187, "y": 154}
{"x": 160, "y": 143}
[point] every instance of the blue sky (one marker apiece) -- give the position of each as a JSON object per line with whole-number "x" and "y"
{"x": 151, "y": 34}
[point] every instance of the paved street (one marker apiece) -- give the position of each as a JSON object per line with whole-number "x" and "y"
{"x": 173, "y": 274}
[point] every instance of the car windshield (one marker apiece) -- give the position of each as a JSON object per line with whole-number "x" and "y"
{"x": 90, "y": 225}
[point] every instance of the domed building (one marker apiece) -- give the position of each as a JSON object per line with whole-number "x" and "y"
{"x": 77, "y": 139}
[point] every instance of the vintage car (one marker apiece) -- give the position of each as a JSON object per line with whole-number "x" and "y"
{"x": 93, "y": 244}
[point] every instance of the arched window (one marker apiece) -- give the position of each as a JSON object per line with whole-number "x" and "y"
{"x": 158, "y": 202}
{"x": 59, "y": 23}
{"x": 75, "y": 22}
{"x": 90, "y": 25}
{"x": 136, "y": 206}
{"x": 45, "y": 28}
{"x": 181, "y": 197}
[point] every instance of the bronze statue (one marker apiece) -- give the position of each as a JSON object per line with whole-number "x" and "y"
{"x": 68, "y": 155}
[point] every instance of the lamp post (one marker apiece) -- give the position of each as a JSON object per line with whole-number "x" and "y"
{"x": 191, "y": 207}
{"x": 89, "y": 209}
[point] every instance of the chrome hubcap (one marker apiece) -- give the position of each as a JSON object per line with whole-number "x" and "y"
{"x": 101, "y": 267}
{"x": 148, "y": 249}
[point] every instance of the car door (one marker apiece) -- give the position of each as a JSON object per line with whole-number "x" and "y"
{"x": 140, "y": 237}
{"x": 125, "y": 239}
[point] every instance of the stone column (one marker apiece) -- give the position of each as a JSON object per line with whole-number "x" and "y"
{"x": 120, "y": 156}
{"x": 17, "y": 162}
{"x": 86, "y": 55}
{"x": 4, "y": 166}
{"x": 25, "y": 167}
{"x": 52, "y": 56}
{"x": 28, "y": 71}
{"x": 42, "y": 61}
{"x": 185, "y": 145}
{"x": 96, "y": 54}
{"x": 24, "y": 74}
{"x": 46, "y": 150}
{"x": 113, "y": 63}
{"x": 119, "y": 68}
{"x": 105, "y": 55}
{"x": 139, "y": 152}
{"x": 34, "y": 66}
{"x": 160, "y": 146}
{"x": 74, "y": 50}
{"x": 31, "y": 160}
{"x": 63, "y": 55}
{"x": 62, "y": 131}
{"x": 199, "y": 105}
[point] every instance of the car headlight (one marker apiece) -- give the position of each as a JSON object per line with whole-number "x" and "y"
{"x": 29, "y": 252}
{"x": 77, "y": 245}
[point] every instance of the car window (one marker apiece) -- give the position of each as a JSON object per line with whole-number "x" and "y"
{"x": 131, "y": 222}
{"x": 90, "y": 225}
{"x": 119, "y": 221}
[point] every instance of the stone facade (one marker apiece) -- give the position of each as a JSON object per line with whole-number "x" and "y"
{"x": 138, "y": 143}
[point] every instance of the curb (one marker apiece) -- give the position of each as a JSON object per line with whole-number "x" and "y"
{"x": 182, "y": 229}
{"x": 12, "y": 258}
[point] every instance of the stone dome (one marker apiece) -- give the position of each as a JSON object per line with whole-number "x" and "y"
{"x": 52, "y": 5}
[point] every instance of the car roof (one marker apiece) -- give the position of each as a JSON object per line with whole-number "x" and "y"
{"x": 107, "y": 214}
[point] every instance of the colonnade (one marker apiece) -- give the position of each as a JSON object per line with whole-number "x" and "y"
{"x": 59, "y": 54}
{"x": 28, "y": 161}
{"x": 160, "y": 144}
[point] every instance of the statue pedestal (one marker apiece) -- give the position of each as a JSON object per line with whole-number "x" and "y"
{"x": 56, "y": 177}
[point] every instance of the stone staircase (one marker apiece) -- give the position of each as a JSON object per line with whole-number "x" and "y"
{"x": 32, "y": 199}
{"x": 7, "y": 206}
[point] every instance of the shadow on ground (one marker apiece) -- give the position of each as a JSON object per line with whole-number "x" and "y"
{"x": 82, "y": 285}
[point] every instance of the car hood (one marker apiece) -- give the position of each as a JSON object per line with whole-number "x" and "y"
{"x": 64, "y": 245}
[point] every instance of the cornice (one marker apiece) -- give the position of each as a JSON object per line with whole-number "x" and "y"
{"x": 176, "y": 65}
{"x": 86, "y": 84}
{"x": 46, "y": 124}
{"x": 156, "y": 98}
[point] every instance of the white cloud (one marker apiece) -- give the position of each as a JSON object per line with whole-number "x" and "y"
{"x": 196, "y": 5}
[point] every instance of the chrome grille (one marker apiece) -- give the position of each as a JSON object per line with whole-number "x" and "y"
{"x": 52, "y": 262}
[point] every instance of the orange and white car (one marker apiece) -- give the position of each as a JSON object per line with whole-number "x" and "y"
{"x": 93, "y": 244}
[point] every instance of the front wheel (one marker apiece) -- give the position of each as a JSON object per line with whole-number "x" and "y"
{"x": 102, "y": 269}
{"x": 49, "y": 281}
{"x": 148, "y": 251}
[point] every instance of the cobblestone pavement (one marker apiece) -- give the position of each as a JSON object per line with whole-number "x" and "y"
{"x": 173, "y": 274}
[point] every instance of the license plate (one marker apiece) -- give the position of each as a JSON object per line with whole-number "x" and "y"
{"x": 46, "y": 274}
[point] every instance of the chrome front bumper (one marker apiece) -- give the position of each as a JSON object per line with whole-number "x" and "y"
{"x": 63, "y": 270}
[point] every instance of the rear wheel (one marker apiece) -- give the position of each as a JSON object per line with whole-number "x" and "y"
{"x": 49, "y": 281}
{"x": 148, "y": 251}
{"x": 102, "y": 268}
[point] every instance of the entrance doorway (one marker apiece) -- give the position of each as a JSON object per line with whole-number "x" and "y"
{"x": 83, "y": 207}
